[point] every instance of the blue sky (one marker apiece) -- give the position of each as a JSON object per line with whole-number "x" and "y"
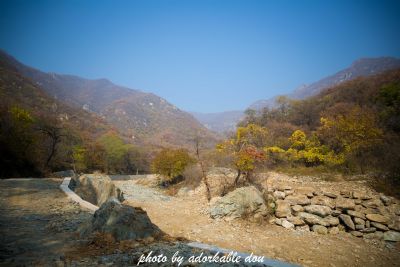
{"x": 207, "y": 56}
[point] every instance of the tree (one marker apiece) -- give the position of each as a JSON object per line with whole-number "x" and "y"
{"x": 197, "y": 140}
{"x": 246, "y": 149}
{"x": 351, "y": 134}
{"x": 115, "y": 151}
{"x": 171, "y": 163}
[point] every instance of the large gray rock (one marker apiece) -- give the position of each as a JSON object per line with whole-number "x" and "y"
{"x": 96, "y": 188}
{"x": 319, "y": 210}
{"x": 242, "y": 202}
{"x": 123, "y": 222}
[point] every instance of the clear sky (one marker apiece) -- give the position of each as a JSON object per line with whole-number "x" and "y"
{"x": 207, "y": 56}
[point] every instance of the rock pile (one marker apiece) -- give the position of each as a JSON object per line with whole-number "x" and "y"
{"x": 360, "y": 213}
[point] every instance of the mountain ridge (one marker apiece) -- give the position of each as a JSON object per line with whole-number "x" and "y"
{"x": 146, "y": 117}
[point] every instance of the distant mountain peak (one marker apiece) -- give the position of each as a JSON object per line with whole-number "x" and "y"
{"x": 360, "y": 67}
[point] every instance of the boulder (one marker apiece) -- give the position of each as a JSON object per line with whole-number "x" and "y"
{"x": 96, "y": 188}
{"x": 346, "y": 219}
{"x": 377, "y": 218}
{"x": 219, "y": 178}
{"x": 242, "y": 202}
{"x": 319, "y": 210}
{"x": 123, "y": 222}
{"x": 322, "y": 230}
{"x": 297, "y": 199}
{"x": 345, "y": 204}
{"x": 391, "y": 236}
{"x": 282, "y": 209}
{"x": 312, "y": 219}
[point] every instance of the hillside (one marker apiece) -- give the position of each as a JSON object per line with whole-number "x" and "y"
{"x": 361, "y": 67}
{"x": 144, "y": 117}
{"x": 219, "y": 122}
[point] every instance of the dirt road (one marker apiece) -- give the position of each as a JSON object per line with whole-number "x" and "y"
{"x": 186, "y": 216}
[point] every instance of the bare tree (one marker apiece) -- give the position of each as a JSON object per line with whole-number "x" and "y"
{"x": 55, "y": 135}
{"x": 197, "y": 140}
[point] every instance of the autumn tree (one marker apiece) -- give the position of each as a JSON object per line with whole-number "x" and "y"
{"x": 246, "y": 149}
{"x": 352, "y": 134}
{"x": 171, "y": 163}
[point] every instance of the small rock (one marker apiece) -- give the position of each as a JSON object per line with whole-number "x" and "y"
{"x": 391, "y": 236}
{"x": 394, "y": 224}
{"x": 334, "y": 230}
{"x": 377, "y": 218}
{"x": 278, "y": 221}
{"x": 296, "y": 221}
{"x": 379, "y": 226}
{"x": 324, "y": 201}
{"x": 345, "y": 204}
{"x": 282, "y": 209}
{"x": 346, "y": 194}
{"x": 303, "y": 228}
{"x": 356, "y": 233}
{"x": 329, "y": 194}
{"x": 322, "y": 230}
{"x": 346, "y": 219}
{"x": 297, "y": 208}
{"x": 279, "y": 195}
{"x": 359, "y": 221}
{"x": 367, "y": 224}
{"x": 361, "y": 195}
{"x": 375, "y": 235}
{"x": 312, "y": 219}
{"x": 368, "y": 230}
{"x": 332, "y": 221}
{"x": 386, "y": 200}
{"x": 319, "y": 210}
{"x": 360, "y": 226}
{"x": 356, "y": 214}
{"x": 298, "y": 200}
{"x": 336, "y": 213}
{"x": 373, "y": 203}
{"x": 287, "y": 224}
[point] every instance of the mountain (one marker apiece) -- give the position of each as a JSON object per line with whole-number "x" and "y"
{"x": 361, "y": 67}
{"x": 145, "y": 117}
{"x": 219, "y": 122}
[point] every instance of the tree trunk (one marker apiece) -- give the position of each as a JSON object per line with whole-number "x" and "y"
{"x": 237, "y": 177}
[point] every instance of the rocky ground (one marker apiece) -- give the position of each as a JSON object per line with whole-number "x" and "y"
{"x": 39, "y": 227}
{"x": 188, "y": 215}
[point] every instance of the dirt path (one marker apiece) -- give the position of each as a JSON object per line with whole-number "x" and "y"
{"x": 187, "y": 217}
{"x": 37, "y": 222}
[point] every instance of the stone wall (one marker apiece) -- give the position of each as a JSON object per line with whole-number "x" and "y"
{"x": 361, "y": 213}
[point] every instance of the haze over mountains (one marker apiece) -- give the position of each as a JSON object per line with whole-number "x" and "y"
{"x": 224, "y": 121}
{"x": 144, "y": 117}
